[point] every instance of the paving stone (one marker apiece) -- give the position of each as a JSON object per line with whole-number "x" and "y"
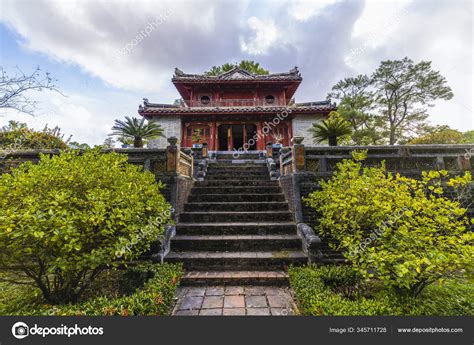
{"x": 233, "y": 311}
{"x": 258, "y": 311}
{"x": 211, "y": 302}
{"x": 254, "y": 290}
{"x": 191, "y": 302}
{"x": 234, "y": 290}
{"x": 256, "y": 302}
{"x": 234, "y": 302}
{"x": 196, "y": 291}
{"x": 278, "y": 301}
{"x": 211, "y": 312}
{"x": 273, "y": 291}
{"x": 187, "y": 312}
{"x": 180, "y": 292}
{"x": 214, "y": 291}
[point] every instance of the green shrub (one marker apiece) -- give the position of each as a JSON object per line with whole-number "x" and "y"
{"x": 154, "y": 298}
{"x": 315, "y": 295}
{"x": 27, "y": 138}
{"x": 69, "y": 217}
{"x": 401, "y": 231}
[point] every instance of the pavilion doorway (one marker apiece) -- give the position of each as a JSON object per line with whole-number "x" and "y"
{"x": 234, "y": 136}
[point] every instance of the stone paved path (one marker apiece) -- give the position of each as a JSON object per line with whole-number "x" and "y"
{"x": 234, "y": 300}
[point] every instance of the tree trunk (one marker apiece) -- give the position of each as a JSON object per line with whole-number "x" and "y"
{"x": 332, "y": 141}
{"x": 392, "y": 136}
{"x": 138, "y": 142}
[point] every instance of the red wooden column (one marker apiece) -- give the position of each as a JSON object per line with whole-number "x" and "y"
{"x": 183, "y": 135}
{"x": 290, "y": 131}
{"x": 261, "y": 137}
{"x": 213, "y": 136}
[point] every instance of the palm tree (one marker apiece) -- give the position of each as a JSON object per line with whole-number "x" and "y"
{"x": 331, "y": 129}
{"x": 136, "y": 129}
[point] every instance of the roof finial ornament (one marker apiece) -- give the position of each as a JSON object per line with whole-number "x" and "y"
{"x": 178, "y": 72}
{"x": 145, "y": 101}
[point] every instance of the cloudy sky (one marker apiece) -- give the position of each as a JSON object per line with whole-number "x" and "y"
{"x": 91, "y": 47}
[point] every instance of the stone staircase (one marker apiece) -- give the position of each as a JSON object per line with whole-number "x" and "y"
{"x": 236, "y": 228}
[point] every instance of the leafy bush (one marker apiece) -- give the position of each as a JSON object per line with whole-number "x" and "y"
{"x": 315, "y": 295}
{"x": 313, "y": 287}
{"x": 154, "y": 298}
{"x": 65, "y": 219}
{"x": 19, "y": 136}
{"x": 401, "y": 231}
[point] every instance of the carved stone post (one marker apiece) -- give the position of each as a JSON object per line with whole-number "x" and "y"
{"x": 283, "y": 150}
{"x": 269, "y": 149}
{"x": 299, "y": 161}
{"x": 172, "y": 155}
{"x": 464, "y": 162}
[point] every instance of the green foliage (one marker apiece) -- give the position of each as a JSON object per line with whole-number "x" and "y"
{"x": 316, "y": 295}
{"x": 401, "y": 231}
{"x": 137, "y": 130}
{"x": 332, "y": 129}
{"x": 63, "y": 220}
{"x": 249, "y": 66}
{"x": 17, "y": 136}
{"x": 440, "y": 135}
{"x": 75, "y": 145}
{"x": 391, "y": 104}
{"x": 468, "y": 137}
{"x": 403, "y": 92}
{"x": 151, "y": 294}
{"x": 155, "y": 297}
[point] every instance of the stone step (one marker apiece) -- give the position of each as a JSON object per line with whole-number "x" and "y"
{"x": 242, "y": 183}
{"x": 235, "y": 190}
{"x": 213, "y": 278}
{"x": 236, "y": 206}
{"x": 235, "y": 242}
{"x": 238, "y": 261}
{"x": 247, "y": 197}
{"x": 231, "y": 177}
{"x": 237, "y": 167}
{"x": 268, "y": 228}
{"x": 237, "y": 156}
{"x": 210, "y": 217}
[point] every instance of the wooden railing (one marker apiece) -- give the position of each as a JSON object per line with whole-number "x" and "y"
{"x": 286, "y": 161}
{"x": 185, "y": 164}
{"x": 292, "y": 159}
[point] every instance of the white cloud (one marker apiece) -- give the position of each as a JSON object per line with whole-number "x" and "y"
{"x": 317, "y": 36}
{"x": 303, "y": 9}
{"x": 265, "y": 34}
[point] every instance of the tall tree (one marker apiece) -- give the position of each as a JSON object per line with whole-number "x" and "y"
{"x": 136, "y": 129}
{"x": 15, "y": 89}
{"x": 403, "y": 92}
{"x": 355, "y": 98}
{"x": 248, "y": 65}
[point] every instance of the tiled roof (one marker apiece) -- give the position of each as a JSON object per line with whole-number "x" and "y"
{"x": 239, "y": 74}
{"x": 313, "y": 107}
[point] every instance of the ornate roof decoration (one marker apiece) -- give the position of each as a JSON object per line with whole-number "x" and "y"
{"x": 237, "y": 73}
